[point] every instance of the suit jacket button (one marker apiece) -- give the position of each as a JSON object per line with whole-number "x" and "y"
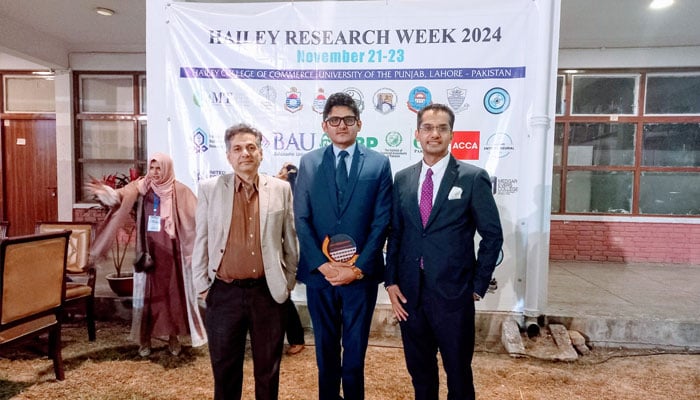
{"x": 424, "y": 235}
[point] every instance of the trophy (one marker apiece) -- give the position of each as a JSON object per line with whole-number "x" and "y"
{"x": 340, "y": 248}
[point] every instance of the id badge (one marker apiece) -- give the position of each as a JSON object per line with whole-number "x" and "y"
{"x": 153, "y": 223}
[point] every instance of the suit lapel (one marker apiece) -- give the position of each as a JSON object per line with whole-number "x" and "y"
{"x": 227, "y": 203}
{"x": 413, "y": 206}
{"x": 444, "y": 189}
{"x": 358, "y": 161}
{"x": 263, "y": 202}
{"x": 327, "y": 169}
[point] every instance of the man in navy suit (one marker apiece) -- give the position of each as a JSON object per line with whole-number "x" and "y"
{"x": 433, "y": 274}
{"x": 341, "y": 295}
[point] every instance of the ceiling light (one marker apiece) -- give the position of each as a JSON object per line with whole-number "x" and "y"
{"x": 104, "y": 11}
{"x": 659, "y": 4}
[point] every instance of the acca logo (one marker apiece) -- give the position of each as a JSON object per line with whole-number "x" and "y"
{"x": 465, "y": 145}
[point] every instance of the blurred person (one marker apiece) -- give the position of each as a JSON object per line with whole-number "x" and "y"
{"x": 433, "y": 274}
{"x": 244, "y": 265}
{"x": 288, "y": 173}
{"x": 292, "y": 327}
{"x": 164, "y": 300}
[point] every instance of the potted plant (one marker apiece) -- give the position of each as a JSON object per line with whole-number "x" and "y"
{"x": 121, "y": 282}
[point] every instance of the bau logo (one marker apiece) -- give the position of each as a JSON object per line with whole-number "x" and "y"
{"x": 294, "y": 140}
{"x": 465, "y": 145}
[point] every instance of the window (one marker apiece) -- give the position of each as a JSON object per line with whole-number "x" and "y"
{"x": 675, "y": 94}
{"x": 110, "y": 126}
{"x": 559, "y": 109}
{"x": 601, "y": 144}
{"x": 671, "y": 145}
{"x": 604, "y": 94}
{"x": 613, "y": 157}
{"x": 29, "y": 94}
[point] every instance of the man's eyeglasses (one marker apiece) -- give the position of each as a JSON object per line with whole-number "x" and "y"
{"x": 335, "y": 121}
{"x": 441, "y": 129}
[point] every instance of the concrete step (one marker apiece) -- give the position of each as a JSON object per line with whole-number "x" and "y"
{"x": 597, "y": 330}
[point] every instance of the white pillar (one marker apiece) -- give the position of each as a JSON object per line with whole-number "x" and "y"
{"x": 65, "y": 171}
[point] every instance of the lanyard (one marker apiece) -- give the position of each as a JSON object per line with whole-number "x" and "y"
{"x": 156, "y": 203}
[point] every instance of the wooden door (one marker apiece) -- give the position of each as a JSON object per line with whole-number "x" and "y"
{"x": 29, "y": 173}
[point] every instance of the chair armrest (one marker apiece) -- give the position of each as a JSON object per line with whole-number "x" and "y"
{"x": 92, "y": 275}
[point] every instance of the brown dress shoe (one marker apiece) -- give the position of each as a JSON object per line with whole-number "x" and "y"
{"x": 295, "y": 349}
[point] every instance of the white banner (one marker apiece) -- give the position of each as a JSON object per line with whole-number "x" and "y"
{"x": 272, "y": 65}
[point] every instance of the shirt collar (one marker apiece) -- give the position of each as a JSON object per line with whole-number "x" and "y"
{"x": 438, "y": 168}
{"x": 238, "y": 183}
{"x": 350, "y": 150}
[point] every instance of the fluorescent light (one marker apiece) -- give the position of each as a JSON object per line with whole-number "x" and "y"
{"x": 104, "y": 11}
{"x": 659, "y": 4}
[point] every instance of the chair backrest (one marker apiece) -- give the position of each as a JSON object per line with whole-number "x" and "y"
{"x": 3, "y": 229}
{"x": 32, "y": 277}
{"x": 79, "y": 245}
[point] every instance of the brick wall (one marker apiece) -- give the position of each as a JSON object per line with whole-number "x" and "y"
{"x": 591, "y": 240}
{"x": 95, "y": 215}
{"x": 625, "y": 242}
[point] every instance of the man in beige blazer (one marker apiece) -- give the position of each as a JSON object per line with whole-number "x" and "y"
{"x": 244, "y": 264}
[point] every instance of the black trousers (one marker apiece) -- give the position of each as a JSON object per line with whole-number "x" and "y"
{"x": 234, "y": 310}
{"x": 431, "y": 326}
{"x": 295, "y": 332}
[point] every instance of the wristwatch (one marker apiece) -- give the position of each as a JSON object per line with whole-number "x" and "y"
{"x": 358, "y": 272}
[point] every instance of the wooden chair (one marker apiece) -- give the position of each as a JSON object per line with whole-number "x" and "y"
{"x": 32, "y": 282}
{"x": 80, "y": 285}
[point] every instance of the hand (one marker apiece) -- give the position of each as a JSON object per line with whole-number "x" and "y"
{"x": 95, "y": 187}
{"x": 397, "y": 300}
{"x": 476, "y": 297}
{"x": 339, "y": 273}
{"x": 203, "y": 295}
{"x": 105, "y": 194}
{"x": 345, "y": 275}
{"x": 328, "y": 270}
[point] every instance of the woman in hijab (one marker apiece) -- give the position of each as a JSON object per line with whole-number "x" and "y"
{"x": 164, "y": 302}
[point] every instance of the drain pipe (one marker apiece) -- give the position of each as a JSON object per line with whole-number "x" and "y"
{"x": 536, "y": 213}
{"x": 532, "y": 327}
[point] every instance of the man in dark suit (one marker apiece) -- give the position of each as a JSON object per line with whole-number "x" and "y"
{"x": 344, "y": 188}
{"x": 433, "y": 274}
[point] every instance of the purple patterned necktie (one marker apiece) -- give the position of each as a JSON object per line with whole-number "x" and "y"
{"x": 426, "y": 197}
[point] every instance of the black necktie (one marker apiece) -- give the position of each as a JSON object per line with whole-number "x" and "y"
{"x": 341, "y": 176}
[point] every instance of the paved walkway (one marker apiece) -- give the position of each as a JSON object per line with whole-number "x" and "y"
{"x": 644, "y": 291}
{"x": 628, "y": 305}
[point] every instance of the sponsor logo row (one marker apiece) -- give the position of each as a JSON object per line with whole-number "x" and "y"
{"x": 466, "y": 145}
{"x": 385, "y": 100}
